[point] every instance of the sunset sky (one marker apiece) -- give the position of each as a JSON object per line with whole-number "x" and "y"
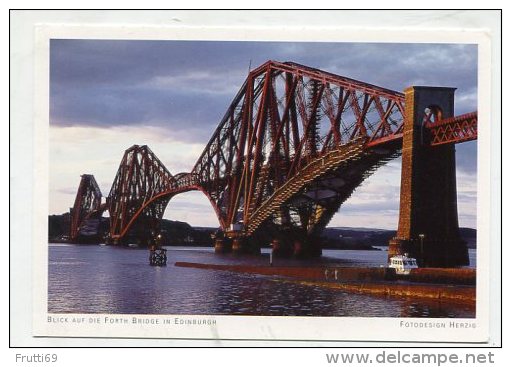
{"x": 106, "y": 95}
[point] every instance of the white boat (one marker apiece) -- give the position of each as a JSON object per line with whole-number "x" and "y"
{"x": 403, "y": 264}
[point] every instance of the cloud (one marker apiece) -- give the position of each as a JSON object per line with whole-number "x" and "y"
{"x": 467, "y": 198}
{"x": 192, "y": 207}
{"x": 375, "y": 203}
{"x": 466, "y": 158}
{"x": 198, "y": 82}
{"x": 105, "y": 82}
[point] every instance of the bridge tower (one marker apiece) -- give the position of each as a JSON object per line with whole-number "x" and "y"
{"x": 428, "y": 215}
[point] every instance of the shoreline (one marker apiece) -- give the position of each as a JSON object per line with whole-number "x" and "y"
{"x": 449, "y": 285}
{"x": 362, "y": 248}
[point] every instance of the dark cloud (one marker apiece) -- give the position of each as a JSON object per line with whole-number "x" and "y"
{"x": 112, "y": 105}
{"x": 188, "y": 85}
{"x": 466, "y": 157}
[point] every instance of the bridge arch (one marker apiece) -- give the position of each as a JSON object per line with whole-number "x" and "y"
{"x": 163, "y": 199}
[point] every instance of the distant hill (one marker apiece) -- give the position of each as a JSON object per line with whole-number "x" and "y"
{"x": 356, "y": 238}
{"x": 173, "y": 232}
{"x": 380, "y": 237}
{"x": 181, "y": 233}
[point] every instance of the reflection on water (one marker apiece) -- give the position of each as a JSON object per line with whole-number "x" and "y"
{"x": 104, "y": 279}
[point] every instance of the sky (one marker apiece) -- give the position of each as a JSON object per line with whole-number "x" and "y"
{"x": 107, "y": 95}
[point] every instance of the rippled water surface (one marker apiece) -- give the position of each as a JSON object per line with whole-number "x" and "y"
{"x": 104, "y": 279}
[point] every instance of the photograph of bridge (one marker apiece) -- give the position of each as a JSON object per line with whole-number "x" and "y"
{"x": 263, "y": 178}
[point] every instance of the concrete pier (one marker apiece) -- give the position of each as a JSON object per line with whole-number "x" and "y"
{"x": 428, "y": 215}
{"x": 241, "y": 245}
{"x": 222, "y": 246}
{"x": 281, "y": 248}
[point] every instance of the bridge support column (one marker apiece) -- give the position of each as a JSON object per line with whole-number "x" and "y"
{"x": 222, "y": 246}
{"x": 428, "y": 216}
{"x": 299, "y": 248}
{"x": 241, "y": 245}
{"x": 308, "y": 248}
{"x": 281, "y": 248}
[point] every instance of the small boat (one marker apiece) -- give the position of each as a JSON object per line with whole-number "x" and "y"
{"x": 132, "y": 245}
{"x": 403, "y": 264}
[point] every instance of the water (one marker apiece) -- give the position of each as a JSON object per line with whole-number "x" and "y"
{"x": 105, "y": 279}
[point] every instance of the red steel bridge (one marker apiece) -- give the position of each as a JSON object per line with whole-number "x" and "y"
{"x": 291, "y": 148}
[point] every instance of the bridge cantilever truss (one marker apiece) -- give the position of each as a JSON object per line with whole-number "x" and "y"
{"x": 285, "y": 116}
{"x": 87, "y": 203}
{"x": 291, "y": 148}
{"x": 140, "y": 178}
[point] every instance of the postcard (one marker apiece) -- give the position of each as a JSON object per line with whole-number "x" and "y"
{"x": 253, "y": 184}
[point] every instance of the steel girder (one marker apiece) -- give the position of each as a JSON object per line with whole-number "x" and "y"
{"x": 87, "y": 201}
{"x": 285, "y": 116}
{"x": 137, "y": 191}
{"x": 456, "y": 129}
